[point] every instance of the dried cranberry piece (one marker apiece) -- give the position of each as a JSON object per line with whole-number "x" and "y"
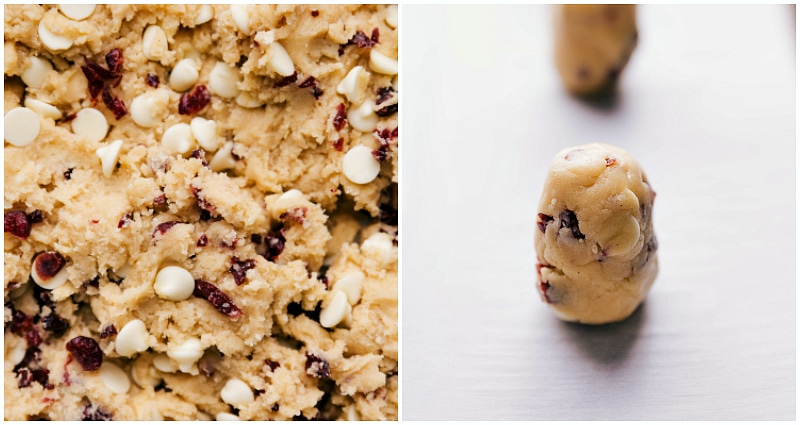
{"x": 375, "y": 34}
{"x": 221, "y": 301}
{"x": 16, "y": 222}
{"x": 384, "y": 94}
{"x": 55, "y": 324}
{"x": 276, "y": 242}
{"x": 114, "y": 103}
{"x": 317, "y": 92}
{"x": 108, "y": 331}
{"x": 201, "y": 155}
{"x": 315, "y": 13}
{"x": 381, "y": 153}
{"x": 361, "y": 40}
{"x": 160, "y": 201}
{"x": 239, "y": 269}
{"x": 86, "y": 351}
{"x": 24, "y": 378}
{"x": 126, "y": 220}
{"x": 339, "y": 144}
{"x": 194, "y": 101}
{"x": 385, "y": 136}
{"x": 340, "y": 119}
{"x": 163, "y": 227}
{"x": 48, "y": 264}
{"x": 298, "y": 215}
{"x": 544, "y": 220}
{"x": 96, "y": 75}
{"x": 272, "y": 365}
{"x": 32, "y": 357}
{"x": 570, "y": 221}
{"x": 201, "y": 201}
{"x": 114, "y": 60}
{"x": 387, "y": 111}
{"x": 42, "y": 376}
{"x": 317, "y": 367}
{"x": 285, "y": 81}
{"x": 23, "y": 325}
{"x": 309, "y": 82}
{"x": 203, "y": 240}
{"x": 152, "y": 80}
{"x": 92, "y": 413}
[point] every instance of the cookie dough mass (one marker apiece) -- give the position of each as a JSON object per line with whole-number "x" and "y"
{"x": 595, "y": 244}
{"x": 200, "y": 212}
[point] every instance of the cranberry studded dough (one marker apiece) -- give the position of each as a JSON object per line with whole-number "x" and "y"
{"x": 595, "y": 242}
{"x": 593, "y": 45}
{"x": 200, "y": 212}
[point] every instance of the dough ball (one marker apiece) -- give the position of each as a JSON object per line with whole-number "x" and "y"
{"x": 593, "y": 45}
{"x": 595, "y": 244}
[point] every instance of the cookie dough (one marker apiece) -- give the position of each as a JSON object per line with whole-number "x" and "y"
{"x": 170, "y": 171}
{"x": 595, "y": 244}
{"x": 593, "y": 43}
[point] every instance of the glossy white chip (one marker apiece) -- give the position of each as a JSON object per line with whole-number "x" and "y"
{"x": 241, "y": 17}
{"x": 174, "y": 283}
{"x": 184, "y": 74}
{"x": 223, "y": 159}
{"x": 222, "y": 416}
{"x": 178, "y": 139}
{"x": 349, "y": 84}
{"x": 186, "y": 354}
{"x": 247, "y": 100}
{"x": 147, "y": 109}
{"x": 351, "y": 284}
{"x": 76, "y": 12}
{"x": 236, "y": 393}
{"x": 381, "y": 63}
{"x": 380, "y": 247}
{"x": 36, "y": 73}
{"x": 279, "y": 59}
{"x": 17, "y": 353}
{"x": 132, "y": 338}
{"x": 45, "y": 110}
{"x": 114, "y": 378}
{"x": 163, "y": 363}
{"x": 336, "y": 311}
{"x": 359, "y": 166}
{"x": 59, "y": 279}
{"x": 52, "y": 41}
{"x": 391, "y": 16}
{"x": 154, "y": 43}
{"x": 109, "y": 155}
{"x": 21, "y": 126}
{"x": 364, "y": 117}
{"x": 223, "y": 80}
{"x": 205, "y": 132}
{"x": 90, "y": 124}
{"x": 204, "y": 14}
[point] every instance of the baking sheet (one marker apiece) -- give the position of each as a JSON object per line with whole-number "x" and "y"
{"x": 707, "y": 106}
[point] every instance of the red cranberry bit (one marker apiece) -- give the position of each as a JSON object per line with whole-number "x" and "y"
{"x": 24, "y": 378}
{"x": 201, "y": 201}
{"x": 375, "y": 34}
{"x": 387, "y": 111}
{"x": 272, "y": 365}
{"x": 32, "y": 357}
{"x": 92, "y": 413}
{"x": 297, "y": 214}
{"x": 315, "y": 13}
{"x": 381, "y": 153}
{"x": 339, "y": 144}
{"x": 317, "y": 92}
{"x": 203, "y": 240}
{"x": 361, "y": 40}
{"x": 114, "y": 104}
{"x": 285, "y": 81}
{"x": 544, "y": 220}
{"x": 610, "y": 160}
{"x": 48, "y": 264}
{"x": 276, "y": 242}
{"x": 108, "y": 331}
{"x": 55, "y": 324}
{"x": 95, "y": 74}
{"x": 68, "y": 173}
{"x": 309, "y": 82}
{"x": 152, "y": 80}
{"x": 340, "y": 119}
{"x": 384, "y": 94}
{"x": 126, "y": 220}
{"x": 385, "y": 136}
{"x": 160, "y": 201}
{"x": 544, "y": 286}
{"x": 163, "y": 227}
{"x": 239, "y": 269}
{"x": 194, "y": 101}
{"x": 114, "y": 60}
{"x": 317, "y": 367}
{"x": 569, "y": 220}
{"x": 201, "y": 155}
{"x": 86, "y": 351}
{"x": 23, "y": 325}
{"x": 16, "y": 222}
{"x": 221, "y": 301}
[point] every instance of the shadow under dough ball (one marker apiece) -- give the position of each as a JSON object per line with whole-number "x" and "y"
{"x": 593, "y": 45}
{"x": 595, "y": 244}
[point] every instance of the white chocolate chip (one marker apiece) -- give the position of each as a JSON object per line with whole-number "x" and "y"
{"x": 222, "y": 416}
{"x": 359, "y": 166}
{"x": 223, "y": 80}
{"x": 90, "y": 124}
{"x": 223, "y": 159}
{"x": 204, "y": 14}
{"x": 45, "y": 110}
{"x": 184, "y": 75}
{"x": 20, "y": 126}
{"x": 36, "y": 73}
{"x": 123, "y": 271}
{"x": 264, "y": 38}
{"x": 351, "y": 285}
{"x": 59, "y": 279}
{"x": 174, "y": 283}
{"x": 178, "y": 139}
{"x": 76, "y": 12}
{"x": 241, "y": 17}
{"x": 186, "y": 354}
{"x": 391, "y": 15}
{"x": 114, "y": 378}
{"x": 237, "y": 393}
{"x": 154, "y": 43}
{"x": 132, "y": 338}
{"x": 163, "y": 363}
{"x": 205, "y": 132}
{"x": 291, "y": 195}
{"x": 247, "y": 100}
{"x": 279, "y": 59}
{"x": 149, "y": 109}
{"x": 109, "y": 155}
{"x": 364, "y": 117}
{"x": 380, "y": 248}
{"x": 17, "y": 353}
{"x": 381, "y": 63}
{"x": 52, "y": 41}
{"x": 336, "y": 311}
{"x": 349, "y": 84}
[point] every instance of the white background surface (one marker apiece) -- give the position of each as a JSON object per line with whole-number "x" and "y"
{"x": 707, "y": 106}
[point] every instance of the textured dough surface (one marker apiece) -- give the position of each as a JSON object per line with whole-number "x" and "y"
{"x": 593, "y": 45}
{"x": 595, "y": 244}
{"x": 273, "y": 256}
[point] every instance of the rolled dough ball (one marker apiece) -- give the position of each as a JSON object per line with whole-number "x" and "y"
{"x": 595, "y": 244}
{"x": 593, "y": 45}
